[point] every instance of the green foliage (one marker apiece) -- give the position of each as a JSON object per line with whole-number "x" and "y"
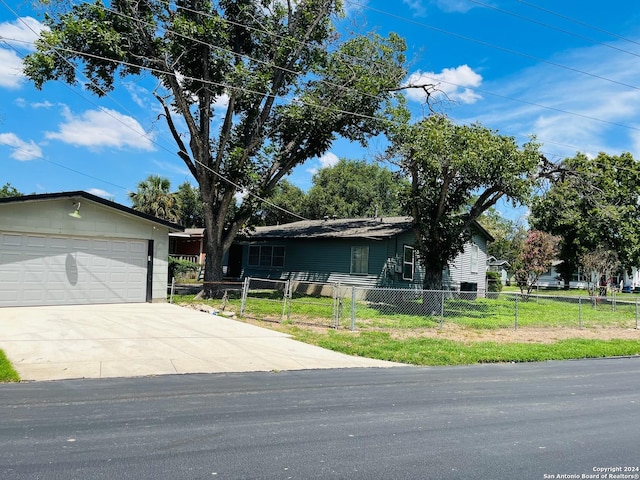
{"x": 189, "y": 206}
{"x": 494, "y": 282}
{"x": 182, "y": 268}
{"x": 248, "y": 92}
{"x": 289, "y": 198}
{"x": 9, "y": 190}
{"x": 593, "y": 204}
{"x": 7, "y": 372}
{"x": 433, "y": 352}
{"x": 153, "y": 197}
{"x": 448, "y": 165}
{"x": 355, "y": 189}
{"x": 508, "y": 236}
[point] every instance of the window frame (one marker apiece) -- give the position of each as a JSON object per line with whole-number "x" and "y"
{"x": 474, "y": 260}
{"x": 362, "y": 258}
{"x": 267, "y": 256}
{"x": 408, "y": 264}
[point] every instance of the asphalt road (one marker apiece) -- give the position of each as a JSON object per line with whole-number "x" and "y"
{"x": 514, "y": 421}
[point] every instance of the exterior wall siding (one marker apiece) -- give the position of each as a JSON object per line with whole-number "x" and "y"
{"x": 329, "y": 261}
{"x": 51, "y": 217}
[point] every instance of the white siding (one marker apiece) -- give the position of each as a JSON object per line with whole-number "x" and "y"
{"x": 50, "y": 218}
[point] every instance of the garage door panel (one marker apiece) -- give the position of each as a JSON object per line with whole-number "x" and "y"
{"x": 41, "y": 270}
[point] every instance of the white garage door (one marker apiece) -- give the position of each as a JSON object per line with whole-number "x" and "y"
{"x": 49, "y": 270}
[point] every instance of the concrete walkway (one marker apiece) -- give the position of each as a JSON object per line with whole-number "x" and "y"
{"x": 99, "y": 341}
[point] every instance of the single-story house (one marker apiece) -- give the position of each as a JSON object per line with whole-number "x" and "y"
{"x": 368, "y": 252}
{"x": 188, "y": 245}
{"x": 74, "y": 248}
{"x": 499, "y": 266}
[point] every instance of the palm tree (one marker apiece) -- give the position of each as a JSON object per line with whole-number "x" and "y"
{"x": 153, "y": 197}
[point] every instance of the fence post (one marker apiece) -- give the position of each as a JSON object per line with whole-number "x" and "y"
{"x": 245, "y": 290}
{"x": 580, "y": 313}
{"x": 284, "y": 299}
{"x": 515, "y": 326}
{"x": 636, "y": 314}
{"x": 442, "y": 309}
{"x": 173, "y": 286}
{"x": 353, "y": 309}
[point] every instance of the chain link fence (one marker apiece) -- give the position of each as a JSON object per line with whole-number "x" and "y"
{"x": 358, "y": 308}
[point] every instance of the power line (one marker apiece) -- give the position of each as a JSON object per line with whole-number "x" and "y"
{"x": 552, "y": 27}
{"x": 357, "y": 58}
{"x": 493, "y": 46}
{"x": 578, "y": 22}
{"x": 341, "y": 111}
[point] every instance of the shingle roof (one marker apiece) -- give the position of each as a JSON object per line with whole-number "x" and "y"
{"x": 372, "y": 228}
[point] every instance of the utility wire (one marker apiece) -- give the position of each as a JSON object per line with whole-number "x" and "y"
{"x": 578, "y": 22}
{"x": 493, "y": 46}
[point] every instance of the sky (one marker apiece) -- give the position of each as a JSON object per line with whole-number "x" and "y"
{"x": 567, "y": 72}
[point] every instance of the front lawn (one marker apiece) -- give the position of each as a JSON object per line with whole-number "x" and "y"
{"x": 434, "y": 351}
{"x": 7, "y": 372}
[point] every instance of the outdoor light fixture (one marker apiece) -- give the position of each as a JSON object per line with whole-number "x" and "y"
{"x": 76, "y": 212}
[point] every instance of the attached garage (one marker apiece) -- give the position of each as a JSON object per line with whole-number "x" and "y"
{"x": 105, "y": 253}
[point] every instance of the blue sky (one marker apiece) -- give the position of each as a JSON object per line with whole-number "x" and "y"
{"x": 567, "y": 72}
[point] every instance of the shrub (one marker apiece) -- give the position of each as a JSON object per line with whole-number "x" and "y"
{"x": 494, "y": 282}
{"x": 182, "y": 268}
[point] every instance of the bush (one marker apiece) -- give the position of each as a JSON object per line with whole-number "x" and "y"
{"x": 494, "y": 282}
{"x": 182, "y": 269}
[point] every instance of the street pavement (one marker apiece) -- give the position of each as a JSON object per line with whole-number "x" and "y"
{"x": 571, "y": 419}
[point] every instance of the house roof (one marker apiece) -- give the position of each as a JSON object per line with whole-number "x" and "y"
{"x": 78, "y": 195}
{"x": 189, "y": 233}
{"x": 372, "y": 228}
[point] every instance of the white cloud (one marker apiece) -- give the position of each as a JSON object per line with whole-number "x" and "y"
{"x": 102, "y": 128}
{"x": 20, "y": 35}
{"x": 567, "y": 110}
{"x": 22, "y": 150}
{"x": 328, "y": 160}
{"x": 457, "y": 6}
{"x": 101, "y": 193}
{"x": 177, "y": 167}
{"x": 11, "y": 75}
{"x": 417, "y": 6}
{"x": 456, "y": 83}
{"x": 22, "y": 32}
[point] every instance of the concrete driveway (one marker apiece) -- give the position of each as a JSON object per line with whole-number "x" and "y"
{"x": 99, "y": 341}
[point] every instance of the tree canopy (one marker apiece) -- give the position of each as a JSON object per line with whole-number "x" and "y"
{"x": 448, "y": 165}
{"x": 594, "y": 205}
{"x": 9, "y": 190}
{"x": 355, "y": 189}
{"x": 154, "y": 197}
{"x": 248, "y": 89}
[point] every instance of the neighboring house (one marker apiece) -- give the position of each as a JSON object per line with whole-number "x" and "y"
{"x": 75, "y": 248}
{"x": 499, "y": 266}
{"x": 188, "y": 245}
{"x": 370, "y": 252}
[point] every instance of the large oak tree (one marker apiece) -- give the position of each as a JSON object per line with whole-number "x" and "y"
{"x": 457, "y": 172}
{"x": 249, "y": 88}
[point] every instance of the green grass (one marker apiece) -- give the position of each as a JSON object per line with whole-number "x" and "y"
{"x": 429, "y": 351}
{"x": 376, "y": 321}
{"x": 7, "y": 372}
{"x": 481, "y": 313}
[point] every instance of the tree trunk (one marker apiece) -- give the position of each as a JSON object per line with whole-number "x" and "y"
{"x": 432, "y": 285}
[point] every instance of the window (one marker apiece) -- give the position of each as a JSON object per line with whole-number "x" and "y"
{"x": 407, "y": 263}
{"x": 266, "y": 256}
{"x": 474, "y": 258}
{"x": 360, "y": 260}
